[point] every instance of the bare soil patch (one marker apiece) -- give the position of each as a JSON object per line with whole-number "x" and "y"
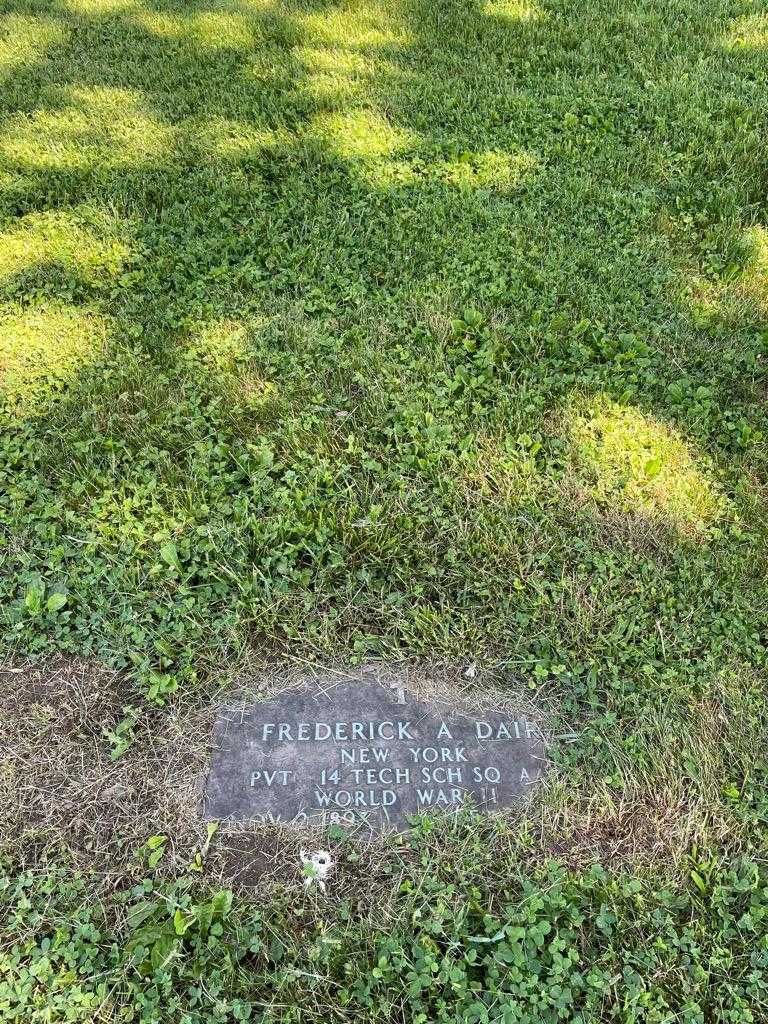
{"x": 74, "y": 780}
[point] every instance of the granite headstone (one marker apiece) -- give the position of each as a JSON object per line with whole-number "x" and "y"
{"x": 365, "y": 755}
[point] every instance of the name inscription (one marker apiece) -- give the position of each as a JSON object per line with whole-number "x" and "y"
{"x": 361, "y": 754}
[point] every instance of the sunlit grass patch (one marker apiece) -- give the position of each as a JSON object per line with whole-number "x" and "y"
{"x": 749, "y": 32}
{"x": 101, "y": 7}
{"x": 755, "y": 279}
{"x": 336, "y": 75}
{"x": 211, "y": 30}
{"x": 491, "y": 172}
{"x": 24, "y": 40}
{"x": 336, "y": 62}
{"x": 366, "y": 26}
{"x": 83, "y": 240}
{"x": 512, "y": 10}
{"x": 94, "y": 127}
{"x": 223, "y": 344}
{"x": 494, "y": 170}
{"x": 221, "y": 29}
{"x": 159, "y": 23}
{"x": 44, "y": 346}
{"x": 637, "y": 462}
{"x": 363, "y": 136}
{"x": 367, "y": 138}
{"x": 350, "y": 48}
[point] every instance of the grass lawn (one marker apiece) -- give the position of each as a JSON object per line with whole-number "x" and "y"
{"x": 423, "y": 331}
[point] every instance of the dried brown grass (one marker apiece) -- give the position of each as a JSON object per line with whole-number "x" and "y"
{"x": 64, "y": 790}
{"x": 65, "y": 795}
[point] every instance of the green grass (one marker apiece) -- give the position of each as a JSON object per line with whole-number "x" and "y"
{"x": 406, "y": 330}
{"x": 550, "y": 947}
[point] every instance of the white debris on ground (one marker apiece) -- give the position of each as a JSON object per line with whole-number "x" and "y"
{"x": 316, "y": 867}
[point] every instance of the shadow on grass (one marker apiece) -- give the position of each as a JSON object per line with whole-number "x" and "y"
{"x": 305, "y": 197}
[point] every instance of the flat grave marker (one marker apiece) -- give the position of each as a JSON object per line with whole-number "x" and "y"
{"x": 366, "y": 755}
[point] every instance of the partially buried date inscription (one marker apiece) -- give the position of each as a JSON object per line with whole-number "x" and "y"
{"x": 365, "y": 754}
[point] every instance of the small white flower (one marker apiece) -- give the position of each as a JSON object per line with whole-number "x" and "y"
{"x": 316, "y": 867}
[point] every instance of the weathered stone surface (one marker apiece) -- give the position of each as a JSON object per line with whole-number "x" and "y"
{"x": 365, "y": 755}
